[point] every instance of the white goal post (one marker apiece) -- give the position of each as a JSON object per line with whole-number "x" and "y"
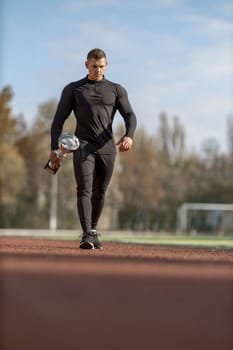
{"x": 182, "y": 213}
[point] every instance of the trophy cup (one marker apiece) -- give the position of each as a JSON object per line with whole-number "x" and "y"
{"x": 67, "y": 143}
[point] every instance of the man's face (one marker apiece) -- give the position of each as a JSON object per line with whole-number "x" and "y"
{"x": 96, "y": 68}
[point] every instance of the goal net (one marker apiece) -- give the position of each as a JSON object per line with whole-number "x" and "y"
{"x": 205, "y": 218}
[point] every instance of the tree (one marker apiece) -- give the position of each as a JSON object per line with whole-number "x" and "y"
{"x": 230, "y": 135}
{"x": 210, "y": 148}
{"x": 171, "y": 139}
{"x": 43, "y": 182}
{"x": 12, "y": 171}
{"x": 170, "y": 143}
{"x": 138, "y": 182}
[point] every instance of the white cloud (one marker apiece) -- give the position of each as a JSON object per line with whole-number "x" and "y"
{"x": 203, "y": 113}
{"x": 183, "y": 66}
{"x": 210, "y": 26}
{"x": 199, "y": 90}
{"x": 225, "y": 7}
{"x": 168, "y": 74}
{"x": 77, "y": 6}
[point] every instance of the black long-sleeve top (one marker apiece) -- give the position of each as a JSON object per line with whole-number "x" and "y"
{"x": 94, "y": 104}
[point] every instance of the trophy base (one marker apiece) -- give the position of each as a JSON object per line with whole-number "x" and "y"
{"x": 50, "y": 169}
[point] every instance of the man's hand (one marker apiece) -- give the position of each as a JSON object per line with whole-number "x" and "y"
{"x": 124, "y": 144}
{"x": 54, "y": 158}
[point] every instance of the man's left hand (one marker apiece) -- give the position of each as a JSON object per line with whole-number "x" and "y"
{"x": 124, "y": 144}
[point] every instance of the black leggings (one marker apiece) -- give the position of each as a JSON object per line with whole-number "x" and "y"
{"x": 93, "y": 174}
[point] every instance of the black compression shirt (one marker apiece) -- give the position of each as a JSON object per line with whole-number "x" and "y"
{"x": 94, "y": 104}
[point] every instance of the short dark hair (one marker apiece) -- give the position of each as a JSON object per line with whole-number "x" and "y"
{"x": 97, "y": 54}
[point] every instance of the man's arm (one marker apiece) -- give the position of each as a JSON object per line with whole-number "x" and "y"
{"x": 125, "y": 109}
{"x": 64, "y": 109}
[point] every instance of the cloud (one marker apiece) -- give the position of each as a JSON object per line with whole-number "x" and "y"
{"x": 162, "y": 71}
{"x": 176, "y": 59}
{"x": 226, "y": 8}
{"x": 208, "y": 25}
{"x": 81, "y": 4}
{"x": 198, "y": 89}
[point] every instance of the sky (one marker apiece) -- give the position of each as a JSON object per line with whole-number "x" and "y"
{"x": 172, "y": 56}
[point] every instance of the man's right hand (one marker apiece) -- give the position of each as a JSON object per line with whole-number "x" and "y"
{"x": 54, "y": 158}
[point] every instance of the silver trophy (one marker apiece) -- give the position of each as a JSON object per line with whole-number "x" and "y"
{"x": 67, "y": 143}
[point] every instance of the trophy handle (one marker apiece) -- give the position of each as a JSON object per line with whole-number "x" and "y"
{"x": 50, "y": 169}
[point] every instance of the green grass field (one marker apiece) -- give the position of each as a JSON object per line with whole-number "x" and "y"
{"x": 198, "y": 241}
{"x": 215, "y": 242}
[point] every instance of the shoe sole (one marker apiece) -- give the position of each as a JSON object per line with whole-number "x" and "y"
{"x": 86, "y": 245}
{"x": 98, "y": 247}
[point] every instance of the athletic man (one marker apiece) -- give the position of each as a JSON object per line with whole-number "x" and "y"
{"x": 94, "y": 101}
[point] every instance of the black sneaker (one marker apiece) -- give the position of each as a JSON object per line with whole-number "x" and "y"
{"x": 87, "y": 241}
{"x": 96, "y": 241}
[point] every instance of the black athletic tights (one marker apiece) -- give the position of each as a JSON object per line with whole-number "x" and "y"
{"x": 93, "y": 174}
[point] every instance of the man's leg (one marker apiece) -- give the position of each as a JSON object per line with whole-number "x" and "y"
{"x": 84, "y": 170}
{"x": 104, "y": 166}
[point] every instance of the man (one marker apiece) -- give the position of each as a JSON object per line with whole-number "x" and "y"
{"x": 94, "y": 101}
